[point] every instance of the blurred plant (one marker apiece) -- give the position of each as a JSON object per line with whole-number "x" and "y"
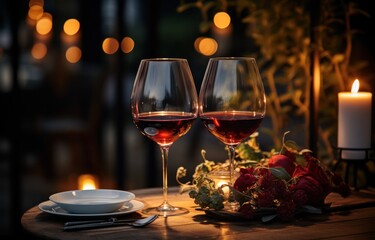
{"x": 281, "y": 32}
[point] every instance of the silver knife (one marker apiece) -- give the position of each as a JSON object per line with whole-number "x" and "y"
{"x": 90, "y": 225}
{"x": 125, "y": 222}
{"x": 72, "y": 223}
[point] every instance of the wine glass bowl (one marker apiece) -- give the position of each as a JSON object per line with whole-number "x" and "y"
{"x": 231, "y": 127}
{"x": 164, "y": 128}
{"x": 164, "y": 105}
{"x": 232, "y": 101}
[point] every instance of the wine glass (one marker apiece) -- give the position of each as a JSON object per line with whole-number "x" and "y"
{"x": 164, "y": 105}
{"x": 232, "y": 104}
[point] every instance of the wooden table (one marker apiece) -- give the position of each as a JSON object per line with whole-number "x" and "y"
{"x": 350, "y": 218}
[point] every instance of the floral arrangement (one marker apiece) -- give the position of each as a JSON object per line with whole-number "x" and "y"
{"x": 268, "y": 185}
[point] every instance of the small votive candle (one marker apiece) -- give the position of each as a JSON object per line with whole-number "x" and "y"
{"x": 354, "y": 122}
{"x": 221, "y": 177}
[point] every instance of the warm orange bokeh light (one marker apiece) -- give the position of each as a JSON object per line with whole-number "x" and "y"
{"x": 87, "y": 181}
{"x": 35, "y": 12}
{"x": 39, "y": 51}
{"x": 127, "y": 44}
{"x": 207, "y": 46}
{"x": 110, "y": 45}
{"x": 73, "y": 54}
{"x": 196, "y": 43}
{"x": 44, "y": 24}
{"x": 71, "y": 26}
{"x": 221, "y": 20}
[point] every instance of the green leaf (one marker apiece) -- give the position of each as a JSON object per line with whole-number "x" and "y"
{"x": 300, "y": 160}
{"x": 280, "y": 173}
{"x": 291, "y": 146}
{"x": 268, "y": 218}
{"x": 186, "y": 188}
{"x": 311, "y": 209}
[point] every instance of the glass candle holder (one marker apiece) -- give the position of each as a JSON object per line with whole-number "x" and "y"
{"x": 221, "y": 177}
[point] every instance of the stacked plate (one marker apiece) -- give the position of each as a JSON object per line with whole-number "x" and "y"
{"x": 98, "y": 202}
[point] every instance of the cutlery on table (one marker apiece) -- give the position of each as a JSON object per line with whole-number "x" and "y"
{"x": 71, "y": 226}
{"x": 112, "y": 219}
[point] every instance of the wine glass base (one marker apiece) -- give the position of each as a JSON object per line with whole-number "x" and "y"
{"x": 165, "y": 210}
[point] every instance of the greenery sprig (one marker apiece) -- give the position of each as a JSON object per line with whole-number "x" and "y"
{"x": 202, "y": 188}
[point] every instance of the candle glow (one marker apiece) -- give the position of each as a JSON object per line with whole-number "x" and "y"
{"x": 225, "y": 188}
{"x": 221, "y": 178}
{"x": 87, "y": 181}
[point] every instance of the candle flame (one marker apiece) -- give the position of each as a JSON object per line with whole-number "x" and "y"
{"x": 355, "y": 86}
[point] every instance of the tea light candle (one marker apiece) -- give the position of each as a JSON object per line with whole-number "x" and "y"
{"x": 221, "y": 178}
{"x": 354, "y": 121}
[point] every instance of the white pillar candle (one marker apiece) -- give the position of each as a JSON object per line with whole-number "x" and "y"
{"x": 354, "y": 121}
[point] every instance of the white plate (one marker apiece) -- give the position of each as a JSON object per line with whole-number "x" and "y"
{"x": 53, "y": 208}
{"x": 94, "y": 201}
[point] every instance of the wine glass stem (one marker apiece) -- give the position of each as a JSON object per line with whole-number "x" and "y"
{"x": 232, "y": 204}
{"x": 164, "y": 156}
{"x": 231, "y": 154}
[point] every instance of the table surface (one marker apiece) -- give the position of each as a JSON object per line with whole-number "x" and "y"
{"x": 350, "y": 218}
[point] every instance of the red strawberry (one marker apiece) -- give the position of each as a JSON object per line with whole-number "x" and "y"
{"x": 283, "y": 161}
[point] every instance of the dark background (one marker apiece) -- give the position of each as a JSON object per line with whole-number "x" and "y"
{"x": 36, "y": 161}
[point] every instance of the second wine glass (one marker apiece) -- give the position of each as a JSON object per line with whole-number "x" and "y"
{"x": 164, "y": 105}
{"x": 232, "y": 103}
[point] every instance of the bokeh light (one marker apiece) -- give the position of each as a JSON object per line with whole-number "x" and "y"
{"x": 35, "y": 12}
{"x": 222, "y": 20}
{"x": 71, "y": 26}
{"x": 206, "y": 46}
{"x": 39, "y": 51}
{"x": 44, "y": 24}
{"x": 127, "y": 44}
{"x": 73, "y": 54}
{"x": 196, "y": 43}
{"x": 110, "y": 45}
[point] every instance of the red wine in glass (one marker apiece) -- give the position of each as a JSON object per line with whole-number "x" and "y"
{"x": 232, "y": 104}
{"x": 163, "y": 128}
{"x": 231, "y": 127}
{"x": 164, "y": 105}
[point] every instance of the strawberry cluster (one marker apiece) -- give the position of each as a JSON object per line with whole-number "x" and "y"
{"x": 286, "y": 185}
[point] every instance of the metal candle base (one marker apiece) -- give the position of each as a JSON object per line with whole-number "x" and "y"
{"x": 355, "y": 163}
